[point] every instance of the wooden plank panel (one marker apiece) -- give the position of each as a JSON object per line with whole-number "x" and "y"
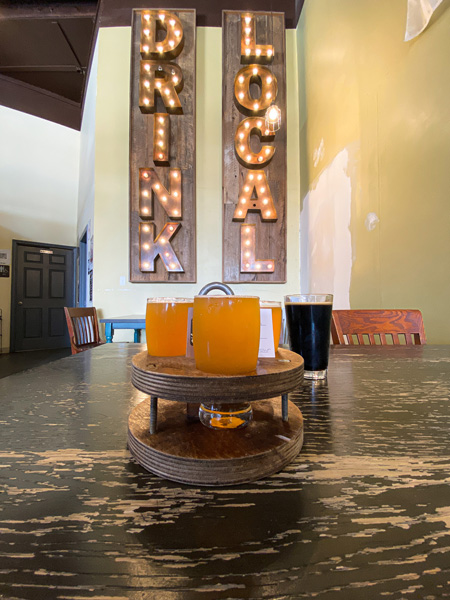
{"x": 270, "y": 236}
{"x": 182, "y": 156}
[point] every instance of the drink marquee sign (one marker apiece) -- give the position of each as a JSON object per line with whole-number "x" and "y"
{"x": 162, "y": 146}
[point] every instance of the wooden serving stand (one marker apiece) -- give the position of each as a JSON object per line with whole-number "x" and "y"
{"x": 175, "y": 445}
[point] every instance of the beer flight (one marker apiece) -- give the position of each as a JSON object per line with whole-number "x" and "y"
{"x": 226, "y": 338}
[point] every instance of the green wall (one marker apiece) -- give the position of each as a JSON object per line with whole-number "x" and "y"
{"x": 375, "y": 145}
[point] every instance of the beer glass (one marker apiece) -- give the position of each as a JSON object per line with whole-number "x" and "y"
{"x": 276, "y": 319}
{"x": 308, "y": 318}
{"x": 166, "y": 323}
{"x": 226, "y": 342}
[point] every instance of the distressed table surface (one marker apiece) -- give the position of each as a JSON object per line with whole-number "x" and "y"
{"x": 363, "y": 512}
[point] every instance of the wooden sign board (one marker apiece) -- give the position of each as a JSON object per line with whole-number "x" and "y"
{"x": 254, "y": 157}
{"x": 162, "y": 147}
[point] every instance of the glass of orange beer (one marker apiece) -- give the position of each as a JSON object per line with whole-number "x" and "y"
{"x": 166, "y": 323}
{"x": 276, "y": 319}
{"x": 226, "y": 341}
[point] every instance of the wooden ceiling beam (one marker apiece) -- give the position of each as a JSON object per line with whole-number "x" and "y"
{"x": 47, "y": 10}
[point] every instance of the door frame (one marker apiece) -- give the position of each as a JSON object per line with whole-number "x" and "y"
{"x": 14, "y": 277}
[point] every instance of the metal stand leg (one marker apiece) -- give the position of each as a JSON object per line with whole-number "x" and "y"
{"x": 153, "y": 413}
{"x": 284, "y": 407}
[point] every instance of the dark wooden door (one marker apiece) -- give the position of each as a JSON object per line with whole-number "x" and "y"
{"x": 43, "y": 282}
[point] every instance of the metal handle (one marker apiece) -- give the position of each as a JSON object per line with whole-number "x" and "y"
{"x": 216, "y": 285}
{"x": 20, "y": 303}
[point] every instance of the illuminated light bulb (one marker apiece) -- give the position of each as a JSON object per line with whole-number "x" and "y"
{"x": 164, "y": 198}
{"x": 161, "y": 119}
{"x": 175, "y": 174}
{"x": 160, "y": 49}
{"x": 147, "y": 32}
{"x": 247, "y": 52}
{"x": 246, "y": 125}
{"x": 268, "y": 213}
{"x": 248, "y": 29}
{"x": 161, "y": 156}
{"x": 270, "y": 266}
{"x": 247, "y": 265}
{"x": 269, "y": 95}
{"x": 171, "y": 43}
{"x": 145, "y": 174}
{"x": 265, "y": 201}
{"x": 251, "y": 177}
{"x": 172, "y": 22}
{"x": 161, "y": 131}
{"x": 239, "y": 212}
{"x": 266, "y": 132}
{"x": 147, "y": 67}
{"x": 241, "y": 79}
{"x": 273, "y": 114}
{"x": 145, "y": 210}
{"x": 260, "y": 158}
{"x": 255, "y": 106}
{"x": 259, "y": 123}
{"x": 241, "y": 95}
{"x": 146, "y": 101}
{"x": 243, "y": 201}
{"x": 258, "y": 52}
{"x": 247, "y": 243}
{"x": 175, "y": 194}
{"x": 249, "y": 157}
{"x": 255, "y": 71}
{"x": 163, "y": 240}
{"x": 167, "y": 91}
{"x": 173, "y": 265}
{"x": 268, "y": 79}
{"x": 145, "y": 48}
{"x": 247, "y": 20}
{"x": 146, "y": 228}
{"x": 171, "y": 228}
{"x": 161, "y": 16}
{"x": 157, "y": 186}
{"x": 167, "y": 254}
{"x": 258, "y": 266}
{"x": 161, "y": 143}
{"x": 247, "y": 189}
{"x": 247, "y": 230}
{"x": 146, "y": 246}
{"x": 177, "y": 32}
{"x": 146, "y": 265}
{"x": 259, "y": 177}
{"x": 175, "y": 79}
{"x": 267, "y": 151}
{"x": 145, "y": 193}
{"x": 269, "y": 52}
{"x": 247, "y": 41}
{"x": 175, "y": 212}
{"x": 147, "y": 17}
{"x": 146, "y": 84}
{"x": 262, "y": 189}
{"x": 242, "y": 148}
{"x": 247, "y": 254}
{"x": 158, "y": 84}
{"x": 171, "y": 102}
{"x": 241, "y": 136}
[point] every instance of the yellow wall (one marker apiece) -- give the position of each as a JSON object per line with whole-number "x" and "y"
{"x": 111, "y": 177}
{"x": 38, "y": 188}
{"x": 375, "y": 148}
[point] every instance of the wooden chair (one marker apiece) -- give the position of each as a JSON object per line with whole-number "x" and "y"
{"x": 83, "y": 328}
{"x": 378, "y": 327}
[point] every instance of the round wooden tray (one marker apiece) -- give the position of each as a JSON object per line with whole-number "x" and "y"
{"x": 176, "y": 378}
{"x": 189, "y": 452}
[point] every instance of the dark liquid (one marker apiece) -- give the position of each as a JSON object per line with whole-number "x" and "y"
{"x": 309, "y": 333}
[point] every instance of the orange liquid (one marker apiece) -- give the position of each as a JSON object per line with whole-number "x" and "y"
{"x": 166, "y": 328}
{"x": 226, "y": 334}
{"x": 276, "y": 323}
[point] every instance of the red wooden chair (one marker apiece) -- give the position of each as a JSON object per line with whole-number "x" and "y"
{"x": 378, "y": 327}
{"x": 83, "y": 328}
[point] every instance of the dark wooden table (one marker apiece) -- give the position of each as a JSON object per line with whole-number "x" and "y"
{"x": 362, "y": 513}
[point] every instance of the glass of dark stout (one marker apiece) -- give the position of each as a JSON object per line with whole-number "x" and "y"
{"x": 308, "y": 318}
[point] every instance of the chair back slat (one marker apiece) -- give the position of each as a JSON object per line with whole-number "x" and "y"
{"x": 83, "y": 328}
{"x": 396, "y": 327}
